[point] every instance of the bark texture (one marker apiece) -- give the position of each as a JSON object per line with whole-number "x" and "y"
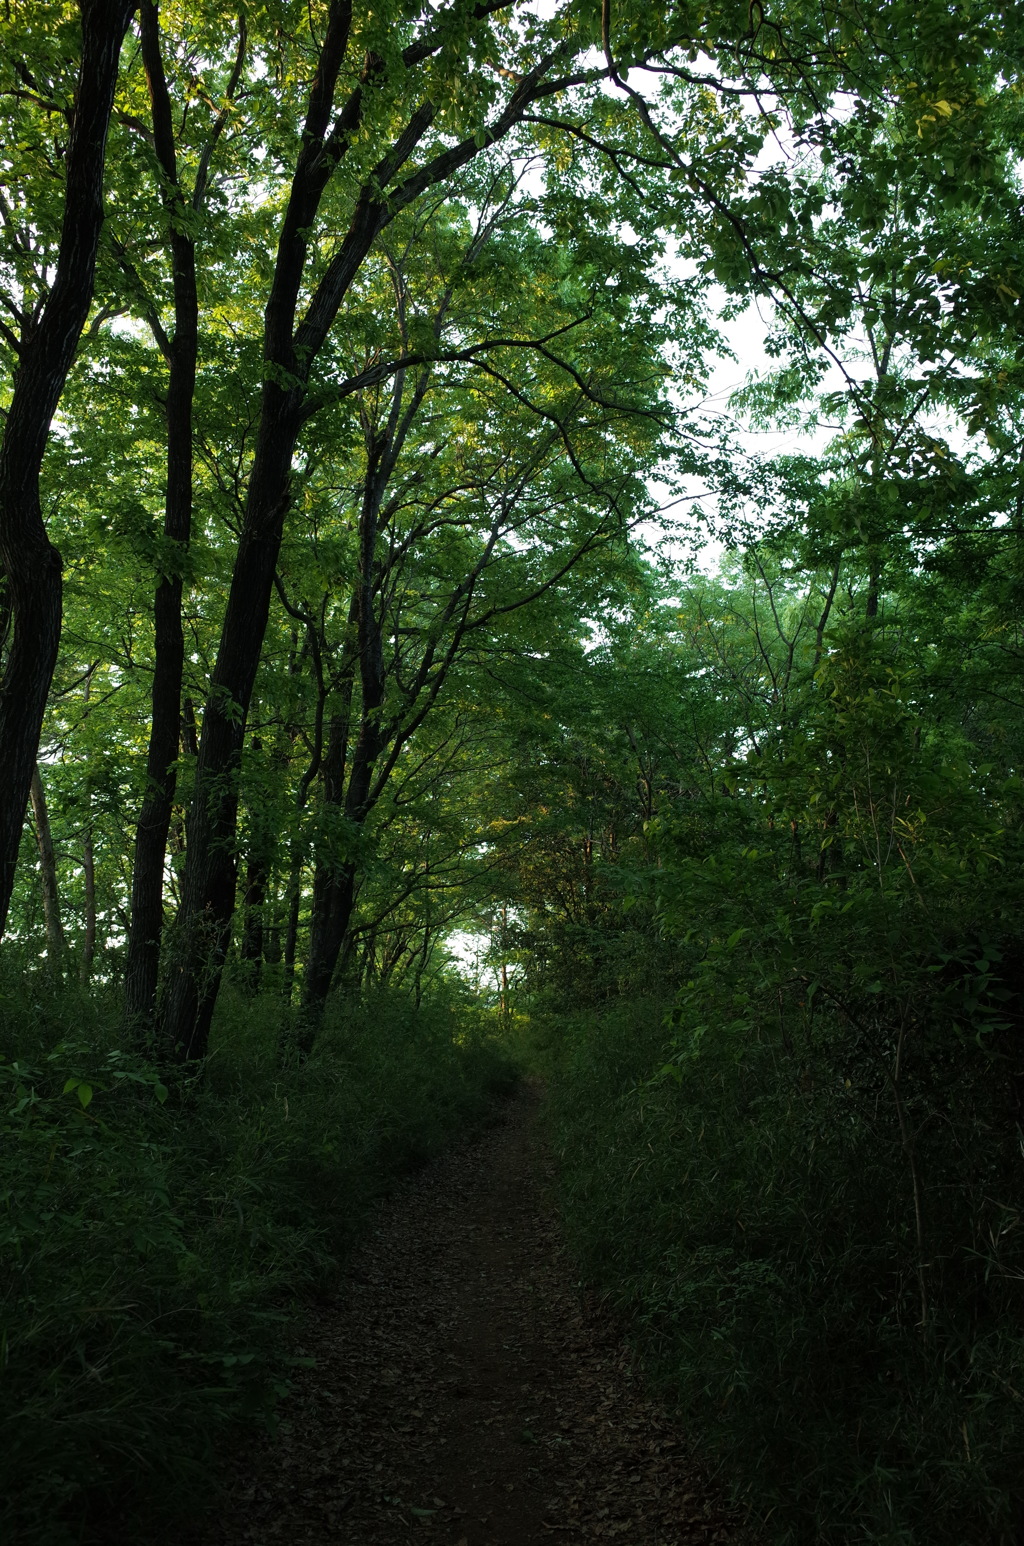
{"x": 31, "y": 564}
{"x": 55, "y": 948}
{"x": 334, "y": 883}
{"x": 146, "y": 927}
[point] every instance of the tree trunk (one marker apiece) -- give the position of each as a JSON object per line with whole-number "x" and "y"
{"x": 209, "y": 883}
{"x": 504, "y": 966}
{"x": 333, "y": 893}
{"x": 147, "y": 907}
{"x": 290, "y": 352}
{"x": 874, "y": 585}
{"x": 89, "y": 940}
{"x": 253, "y": 933}
{"x": 85, "y": 965}
{"x": 293, "y": 901}
{"x": 422, "y": 959}
{"x": 264, "y": 821}
{"x": 333, "y": 902}
{"x": 31, "y": 565}
{"x": 272, "y": 950}
{"x": 48, "y": 875}
{"x": 334, "y": 883}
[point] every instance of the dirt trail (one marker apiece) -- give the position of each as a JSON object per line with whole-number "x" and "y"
{"x": 463, "y": 1395}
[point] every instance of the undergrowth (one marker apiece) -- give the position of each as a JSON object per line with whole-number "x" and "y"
{"x": 158, "y": 1226}
{"x": 755, "y": 1222}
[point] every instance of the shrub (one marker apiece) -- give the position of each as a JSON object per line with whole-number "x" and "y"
{"x": 158, "y": 1227}
{"x": 754, "y": 1216}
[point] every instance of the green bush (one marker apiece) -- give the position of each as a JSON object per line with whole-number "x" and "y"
{"x": 157, "y": 1227}
{"x": 754, "y": 1214}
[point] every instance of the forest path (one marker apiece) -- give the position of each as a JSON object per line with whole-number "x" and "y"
{"x": 462, "y": 1394}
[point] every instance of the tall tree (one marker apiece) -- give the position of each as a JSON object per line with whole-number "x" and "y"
{"x": 391, "y": 94}
{"x": 180, "y": 350}
{"x": 31, "y": 611}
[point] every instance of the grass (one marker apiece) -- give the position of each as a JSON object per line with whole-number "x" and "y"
{"x": 158, "y": 1229}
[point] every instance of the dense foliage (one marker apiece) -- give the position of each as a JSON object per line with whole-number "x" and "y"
{"x": 355, "y": 368}
{"x": 790, "y": 1122}
{"x": 158, "y": 1237}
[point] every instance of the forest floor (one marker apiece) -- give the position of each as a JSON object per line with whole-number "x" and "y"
{"x": 464, "y": 1392}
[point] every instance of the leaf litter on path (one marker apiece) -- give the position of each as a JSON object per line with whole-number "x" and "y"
{"x": 464, "y": 1391}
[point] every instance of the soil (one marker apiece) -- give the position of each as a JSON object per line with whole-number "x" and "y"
{"x": 465, "y": 1391}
